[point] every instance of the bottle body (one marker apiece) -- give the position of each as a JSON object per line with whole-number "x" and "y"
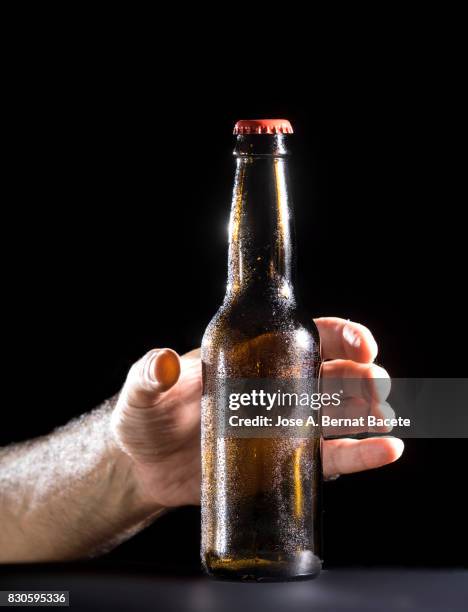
{"x": 260, "y": 495}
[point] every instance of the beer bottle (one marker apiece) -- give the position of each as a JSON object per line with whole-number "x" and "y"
{"x": 261, "y": 489}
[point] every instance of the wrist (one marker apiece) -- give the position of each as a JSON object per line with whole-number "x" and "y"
{"x": 119, "y": 506}
{"x": 137, "y": 496}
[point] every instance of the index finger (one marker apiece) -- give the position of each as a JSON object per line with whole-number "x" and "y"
{"x": 342, "y": 339}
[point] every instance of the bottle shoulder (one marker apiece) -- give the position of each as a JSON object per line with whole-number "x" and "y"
{"x": 259, "y": 330}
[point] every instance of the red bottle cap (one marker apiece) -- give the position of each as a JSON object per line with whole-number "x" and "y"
{"x": 263, "y": 126}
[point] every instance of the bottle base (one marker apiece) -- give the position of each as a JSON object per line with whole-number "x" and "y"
{"x": 303, "y": 565}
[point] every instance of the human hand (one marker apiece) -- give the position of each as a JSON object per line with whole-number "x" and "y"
{"x": 156, "y": 420}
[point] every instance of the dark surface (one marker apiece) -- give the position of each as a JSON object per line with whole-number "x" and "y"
{"x": 143, "y": 588}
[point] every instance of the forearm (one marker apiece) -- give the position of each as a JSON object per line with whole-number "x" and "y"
{"x": 70, "y": 494}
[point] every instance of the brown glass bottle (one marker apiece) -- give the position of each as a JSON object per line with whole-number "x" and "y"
{"x": 260, "y": 495}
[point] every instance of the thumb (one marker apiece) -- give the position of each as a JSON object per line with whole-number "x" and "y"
{"x": 155, "y": 373}
{"x": 147, "y": 381}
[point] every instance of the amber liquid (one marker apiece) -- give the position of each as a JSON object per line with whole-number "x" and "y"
{"x": 260, "y": 496}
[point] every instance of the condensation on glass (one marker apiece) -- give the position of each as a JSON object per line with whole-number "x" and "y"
{"x": 260, "y": 496}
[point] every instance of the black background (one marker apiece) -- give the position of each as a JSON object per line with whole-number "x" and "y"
{"x": 121, "y": 173}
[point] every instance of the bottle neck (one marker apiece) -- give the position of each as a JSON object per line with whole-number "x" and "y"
{"x": 261, "y": 235}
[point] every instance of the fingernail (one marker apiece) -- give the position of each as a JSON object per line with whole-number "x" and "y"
{"x": 167, "y": 367}
{"x": 378, "y": 372}
{"x": 351, "y": 336}
{"x": 378, "y": 383}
